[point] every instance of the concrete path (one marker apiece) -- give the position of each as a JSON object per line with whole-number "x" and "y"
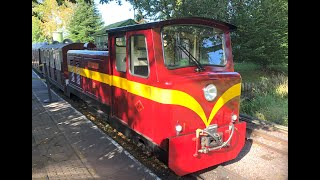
{"x": 66, "y": 145}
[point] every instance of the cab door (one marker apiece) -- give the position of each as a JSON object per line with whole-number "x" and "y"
{"x": 118, "y": 57}
{"x": 141, "y": 77}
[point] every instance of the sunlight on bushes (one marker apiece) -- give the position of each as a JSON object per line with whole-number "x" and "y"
{"x": 269, "y": 100}
{"x": 259, "y": 115}
{"x": 282, "y": 90}
{"x": 264, "y": 91}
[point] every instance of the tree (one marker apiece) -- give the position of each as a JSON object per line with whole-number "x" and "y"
{"x": 215, "y": 9}
{"x": 166, "y": 9}
{"x": 52, "y": 16}
{"x": 37, "y": 35}
{"x": 262, "y": 34}
{"x": 85, "y": 21}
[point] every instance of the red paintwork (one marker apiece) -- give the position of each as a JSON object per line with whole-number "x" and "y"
{"x": 182, "y": 148}
{"x": 157, "y": 121}
{"x": 143, "y": 121}
{"x": 155, "y": 116}
{"x": 120, "y": 103}
{"x": 58, "y": 72}
{"x": 95, "y": 89}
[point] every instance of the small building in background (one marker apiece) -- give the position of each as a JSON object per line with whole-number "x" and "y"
{"x": 101, "y": 37}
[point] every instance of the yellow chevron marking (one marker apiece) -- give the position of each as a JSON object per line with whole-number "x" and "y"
{"x": 164, "y": 96}
{"x": 231, "y": 93}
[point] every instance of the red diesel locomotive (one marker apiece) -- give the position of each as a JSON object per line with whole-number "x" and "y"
{"x": 171, "y": 85}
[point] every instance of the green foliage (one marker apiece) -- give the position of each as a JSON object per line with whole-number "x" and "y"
{"x": 262, "y": 35}
{"x": 216, "y": 9}
{"x": 166, "y": 9}
{"x": 265, "y": 94}
{"x": 51, "y": 16}
{"x": 278, "y": 68}
{"x": 246, "y": 66}
{"x": 267, "y": 107}
{"x": 138, "y": 16}
{"x": 251, "y": 72}
{"x": 37, "y": 35}
{"x": 85, "y": 21}
{"x": 270, "y": 99}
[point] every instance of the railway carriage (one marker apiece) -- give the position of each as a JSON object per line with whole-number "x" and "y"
{"x": 36, "y": 57}
{"x": 55, "y": 58}
{"x": 171, "y": 85}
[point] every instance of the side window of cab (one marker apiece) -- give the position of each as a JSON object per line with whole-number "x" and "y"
{"x": 139, "y": 62}
{"x": 120, "y": 49}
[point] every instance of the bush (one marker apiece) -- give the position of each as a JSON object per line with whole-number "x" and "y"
{"x": 269, "y": 100}
{"x": 244, "y": 66}
{"x": 267, "y": 107}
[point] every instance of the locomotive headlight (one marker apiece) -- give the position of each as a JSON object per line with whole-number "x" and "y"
{"x": 178, "y": 128}
{"x": 234, "y": 118}
{"x": 210, "y": 92}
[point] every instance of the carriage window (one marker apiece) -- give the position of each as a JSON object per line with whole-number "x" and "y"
{"x": 139, "y": 64}
{"x": 120, "y": 48}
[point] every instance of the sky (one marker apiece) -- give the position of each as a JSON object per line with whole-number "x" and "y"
{"x": 112, "y": 12}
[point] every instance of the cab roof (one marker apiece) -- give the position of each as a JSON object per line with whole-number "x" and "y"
{"x": 187, "y": 20}
{"x": 58, "y": 45}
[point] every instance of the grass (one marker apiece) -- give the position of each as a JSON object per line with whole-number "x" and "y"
{"x": 251, "y": 72}
{"x": 267, "y": 107}
{"x": 268, "y": 98}
{"x": 246, "y": 70}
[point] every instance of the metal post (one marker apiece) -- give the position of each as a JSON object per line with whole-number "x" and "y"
{"x": 48, "y": 84}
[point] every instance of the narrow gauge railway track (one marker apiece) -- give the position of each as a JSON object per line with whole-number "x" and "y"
{"x": 266, "y": 134}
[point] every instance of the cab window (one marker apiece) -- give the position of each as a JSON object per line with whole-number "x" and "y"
{"x": 120, "y": 47}
{"x": 139, "y": 63}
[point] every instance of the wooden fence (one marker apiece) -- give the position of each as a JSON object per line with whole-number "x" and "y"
{"x": 247, "y": 90}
